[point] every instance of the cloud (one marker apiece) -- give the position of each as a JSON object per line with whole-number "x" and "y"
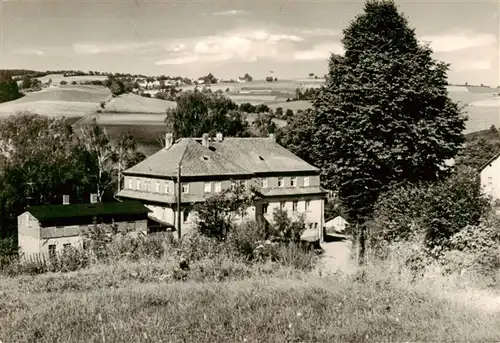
{"x": 109, "y": 48}
{"x": 459, "y": 41}
{"x": 230, "y": 13}
{"x": 472, "y": 65}
{"x": 29, "y": 52}
{"x": 318, "y": 32}
{"x": 319, "y": 52}
{"x": 242, "y": 45}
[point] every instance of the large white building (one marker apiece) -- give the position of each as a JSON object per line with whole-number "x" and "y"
{"x": 210, "y": 165}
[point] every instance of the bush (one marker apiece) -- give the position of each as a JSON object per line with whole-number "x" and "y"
{"x": 436, "y": 211}
{"x": 245, "y": 237}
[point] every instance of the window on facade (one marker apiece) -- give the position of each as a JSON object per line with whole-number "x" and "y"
{"x": 308, "y": 204}
{"x": 490, "y": 180}
{"x": 208, "y": 187}
{"x": 306, "y": 181}
{"x": 218, "y": 187}
{"x": 185, "y": 187}
{"x": 264, "y": 208}
{"x": 281, "y": 182}
{"x": 264, "y": 183}
{"x": 315, "y": 225}
{"x": 66, "y": 246}
{"x": 130, "y": 184}
{"x": 149, "y": 186}
{"x": 282, "y": 205}
{"x": 293, "y": 182}
{"x": 52, "y": 250}
{"x": 185, "y": 215}
{"x": 157, "y": 190}
{"x": 295, "y": 206}
{"x": 138, "y": 185}
{"x": 166, "y": 188}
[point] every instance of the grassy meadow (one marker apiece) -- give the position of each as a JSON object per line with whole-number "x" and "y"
{"x": 136, "y": 302}
{"x": 68, "y": 101}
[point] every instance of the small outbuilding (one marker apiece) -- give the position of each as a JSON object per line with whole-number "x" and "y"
{"x": 48, "y": 229}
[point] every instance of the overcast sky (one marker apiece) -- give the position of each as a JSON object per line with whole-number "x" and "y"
{"x": 230, "y": 38}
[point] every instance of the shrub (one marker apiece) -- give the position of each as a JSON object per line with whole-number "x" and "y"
{"x": 285, "y": 229}
{"x": 245, "y": 237}
{"x": 436, "y": 211}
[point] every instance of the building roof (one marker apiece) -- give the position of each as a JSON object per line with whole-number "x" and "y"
{"x": 491, "y": 160}
{"x": 284, "y": 191}
{"x": 260, "y": 155}
{"x": 50, "y": 212}
{"x": 231, "y": 156}
{"x": 196, "y": 160}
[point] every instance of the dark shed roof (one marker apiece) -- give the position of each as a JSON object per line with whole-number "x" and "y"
{"x": 50, "y": 212}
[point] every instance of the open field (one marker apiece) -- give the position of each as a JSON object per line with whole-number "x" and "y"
{"x": 133, "y": 103}
{"x": 111, "y": 304}
{"x": 293, "y": 105}
{"x": 68, "y": 101}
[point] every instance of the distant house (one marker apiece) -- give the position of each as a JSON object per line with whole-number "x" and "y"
{"x": 337, "y": 224}
{"x": 489, "y": 174}
{"x": 49, "y": 229}
{"x": 210, "y": 165}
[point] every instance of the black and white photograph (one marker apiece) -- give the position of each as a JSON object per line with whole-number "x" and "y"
{"x": 249, "y": 171}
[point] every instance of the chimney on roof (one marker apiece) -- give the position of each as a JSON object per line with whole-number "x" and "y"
{"x": 65, "y": 199}
{"x": 219, "y": 137}
{"x": 169, "y": 140}
{"x": 204, "y": 140}
{"x": 272, "y": 137}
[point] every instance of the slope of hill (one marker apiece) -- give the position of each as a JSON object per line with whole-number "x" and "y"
{"x": 133, "y": 103}
{"x": 68, "y": 101}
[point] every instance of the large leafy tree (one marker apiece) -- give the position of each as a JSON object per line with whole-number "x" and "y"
{"x": 201, "y": 112}
{"x": 9, "y": 89}
{"x": 39, "y": 160}
{"x": 107, "y": 158}
{"x": 384, "y": 116}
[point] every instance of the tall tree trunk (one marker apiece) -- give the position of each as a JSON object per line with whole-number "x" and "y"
{"x": 361, "y": 244}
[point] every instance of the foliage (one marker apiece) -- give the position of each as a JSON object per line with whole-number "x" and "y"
{"x": 209, "y": 79}
{"x": 40, "y": 156}
{"x": 247, "y": 77}
{"x": 269, "y": 79}
{"x": 264, "y": 124}
{"x": 106, "y": 158}
{"x": 432, "y": 212}
{"x": 63, "y": 83}
{"x": 216, "y": 216}
{"x": 285, "y": 229}
{"x": 384, "y": 116}
{"x": 479, "y": 148}
{"x": 9, "y": 89}
{"x": 198, "y": 113}
{"x": 296, "y": 135}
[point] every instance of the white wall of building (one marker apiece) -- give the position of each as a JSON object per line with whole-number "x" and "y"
{"x": 490, "y": 179}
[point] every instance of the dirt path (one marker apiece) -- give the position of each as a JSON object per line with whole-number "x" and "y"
{"x": 337, "y": 256}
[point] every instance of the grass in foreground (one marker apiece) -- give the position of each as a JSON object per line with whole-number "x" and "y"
{"x": 299, "y": 308}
